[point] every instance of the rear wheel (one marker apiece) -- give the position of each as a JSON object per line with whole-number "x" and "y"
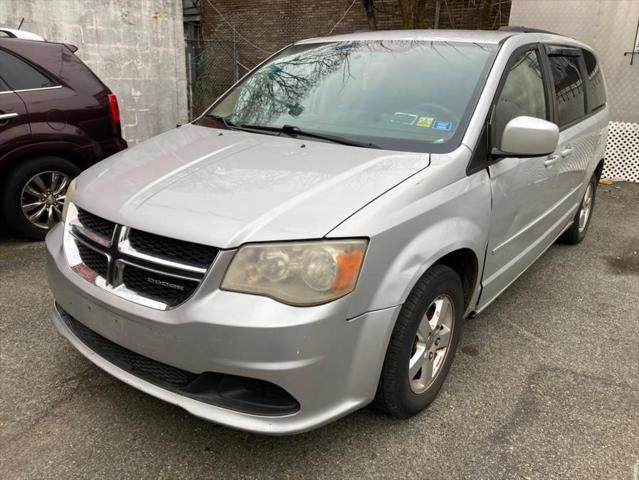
{"x": 577, "y": 231}
{"x": 33, "y": 195}
{"x": 422, "y": 345}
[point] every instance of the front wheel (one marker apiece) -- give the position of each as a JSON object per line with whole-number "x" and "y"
{"x": 577, "y": 231}
{"x": 422, "y": 345}
{"x": 33, "y": 195}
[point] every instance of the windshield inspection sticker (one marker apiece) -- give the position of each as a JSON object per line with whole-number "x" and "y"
{"x": 404, "y": 118}
{"x": 343, "y": 46}
{"x": 425, "y": 122}
{"x": 439, "y": 125}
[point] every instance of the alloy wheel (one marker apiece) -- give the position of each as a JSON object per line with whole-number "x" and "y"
{"x": 431, "y": 344}
{"x": 586, "y": 208}
{"x": 42, "y": 198}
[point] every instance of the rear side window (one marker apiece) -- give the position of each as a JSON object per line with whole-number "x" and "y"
{"x": 594, "y": 82}
{"x": 522, "y": 94}
{"x": 569, "y": 88}
{"x": 19, "y": 75}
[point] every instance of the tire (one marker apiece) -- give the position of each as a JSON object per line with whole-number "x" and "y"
{"x": 577, "y": 231}
{"x": 13, "y": 194}
{"x": 397, "y": 394}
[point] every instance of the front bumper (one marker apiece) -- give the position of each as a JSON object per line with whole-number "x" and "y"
{"x": 328, "y": 364}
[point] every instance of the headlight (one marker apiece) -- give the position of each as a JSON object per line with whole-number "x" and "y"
{"x": 67, "y": 198}
{"x": 298, "y": 273}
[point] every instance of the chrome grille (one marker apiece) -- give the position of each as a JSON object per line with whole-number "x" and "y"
{"x": 171, "y": 249}
{"x": 96, "y": 261}
{"x": 157, "y": 286}
{"x": 137, "y": 265}
{"x": 99, "y": 226}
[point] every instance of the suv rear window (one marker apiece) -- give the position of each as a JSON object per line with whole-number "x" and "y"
{"x": 594, "y": 82}
{"x": 19, "y": 75}
{"x": 569, "y": 88}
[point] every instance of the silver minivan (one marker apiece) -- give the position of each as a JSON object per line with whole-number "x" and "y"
{"x": 314, "y": 241}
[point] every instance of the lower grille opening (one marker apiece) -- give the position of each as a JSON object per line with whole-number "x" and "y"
{"x": 242, "y": 394}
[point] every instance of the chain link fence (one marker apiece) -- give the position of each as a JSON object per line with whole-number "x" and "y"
{"x": 219, "y": 52}
{"x": 217, "y": 60}
{"x": 212, "y": 67}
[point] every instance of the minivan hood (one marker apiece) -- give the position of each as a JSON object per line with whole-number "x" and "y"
{"x": 227, "y": 187}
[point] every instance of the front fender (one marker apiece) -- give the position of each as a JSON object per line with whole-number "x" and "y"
{"x": 413, "y": 226}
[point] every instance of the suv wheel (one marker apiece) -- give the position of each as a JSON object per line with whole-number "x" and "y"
{"x": 33, "y": 195}
{"x": 577, "y": 231}
{"x": 422, "y": 345}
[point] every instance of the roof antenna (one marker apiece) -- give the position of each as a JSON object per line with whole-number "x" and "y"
{"x": 21, "y": 22}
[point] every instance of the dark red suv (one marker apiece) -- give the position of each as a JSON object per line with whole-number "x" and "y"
{"x": 56, "y": 119}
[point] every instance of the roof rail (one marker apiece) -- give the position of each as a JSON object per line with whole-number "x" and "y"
{"x": 521, "y": 29}
{"x": 23, "y": 34}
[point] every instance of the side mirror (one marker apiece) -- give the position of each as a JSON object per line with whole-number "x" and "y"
{"x": 529, "y": 137}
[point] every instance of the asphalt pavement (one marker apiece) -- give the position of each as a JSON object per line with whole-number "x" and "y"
{"x": 545, "y": 385}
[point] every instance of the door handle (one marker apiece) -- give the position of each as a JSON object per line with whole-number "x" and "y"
{"x": 7, "y": 116}
{"x": 551, "y": 159}
{"x": 566, "y": 151}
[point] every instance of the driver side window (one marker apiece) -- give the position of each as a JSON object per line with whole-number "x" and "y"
{"x": 522, "y": 94}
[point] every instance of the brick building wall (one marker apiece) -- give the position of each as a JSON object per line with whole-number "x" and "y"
{"x": 264, "y": 26}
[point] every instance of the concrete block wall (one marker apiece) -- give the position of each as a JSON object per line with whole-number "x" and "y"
{"x": 135, "y": 46}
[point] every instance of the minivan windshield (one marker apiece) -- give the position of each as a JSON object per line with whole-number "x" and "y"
{"x": 397, "y": 95}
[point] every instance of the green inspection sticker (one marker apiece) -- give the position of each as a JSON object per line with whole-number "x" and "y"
{"x": 425, "y": 122}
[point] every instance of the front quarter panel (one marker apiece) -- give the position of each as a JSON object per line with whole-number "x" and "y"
{"x": 433, "y": 213}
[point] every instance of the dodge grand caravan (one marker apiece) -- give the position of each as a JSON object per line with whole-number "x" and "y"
{"x": 313, "y": 242}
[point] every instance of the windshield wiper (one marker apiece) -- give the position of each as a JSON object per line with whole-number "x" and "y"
{"x": 261, "y": 129}
{"x": 228, "y": 124}
{"x": 293, "y": 131}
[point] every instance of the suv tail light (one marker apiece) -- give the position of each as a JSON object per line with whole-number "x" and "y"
{"x": 115, "y": 110}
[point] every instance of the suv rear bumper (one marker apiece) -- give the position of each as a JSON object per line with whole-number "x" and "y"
{"x": 328, "y": 364}
{"x": 111, "y": 146}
